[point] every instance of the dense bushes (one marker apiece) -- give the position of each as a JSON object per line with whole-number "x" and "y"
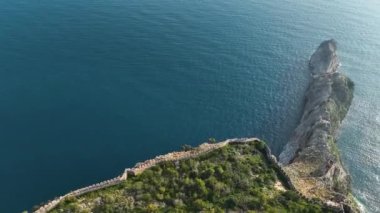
{"x": 235, "y": 177}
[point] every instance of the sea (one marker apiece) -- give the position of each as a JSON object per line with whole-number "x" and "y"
{"x": 90, "y": 87}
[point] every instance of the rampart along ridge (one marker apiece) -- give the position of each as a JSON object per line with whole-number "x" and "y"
{"x": 139, "y": 168}
{"x": 175, "y": 156}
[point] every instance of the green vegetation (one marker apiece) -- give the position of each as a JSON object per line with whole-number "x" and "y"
{"x": 343, "y": 89}
{"x": 235, "y": 177}
{"x": 212, "y": 140}
{"x": 186, "y": 147}
{"x": 332, "y": 146}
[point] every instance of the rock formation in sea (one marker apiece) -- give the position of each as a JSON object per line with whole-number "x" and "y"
{"x": 311, "y": 158}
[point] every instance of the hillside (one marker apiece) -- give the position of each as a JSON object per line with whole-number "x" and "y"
{"x": 237, "y": 176}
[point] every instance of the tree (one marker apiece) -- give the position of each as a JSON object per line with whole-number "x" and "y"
{"x": 260, "y": 145}
{"x": 200, "y": 186}
{"x": 200, "y": 205}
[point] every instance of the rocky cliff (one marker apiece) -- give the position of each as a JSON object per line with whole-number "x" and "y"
{"x": 311, "y": 157}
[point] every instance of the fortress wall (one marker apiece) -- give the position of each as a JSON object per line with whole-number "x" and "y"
{"x": 139, "y": 168}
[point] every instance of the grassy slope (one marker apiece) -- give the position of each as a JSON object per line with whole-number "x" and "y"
{"x": 235, "y": 177}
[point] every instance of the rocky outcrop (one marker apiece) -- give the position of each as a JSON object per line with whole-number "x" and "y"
{"x": 311, "y": 158}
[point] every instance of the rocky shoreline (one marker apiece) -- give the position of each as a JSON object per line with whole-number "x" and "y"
{"x": 311, "y": 158}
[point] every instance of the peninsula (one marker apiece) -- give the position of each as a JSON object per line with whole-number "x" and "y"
{"x": 241, "y": 175}
{"x": 311, "y": 158}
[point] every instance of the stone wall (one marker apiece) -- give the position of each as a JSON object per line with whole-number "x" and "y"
{"x": 50, "y": 205}
{"x": 175, "y": 156}
{"x": 140, "y": 167}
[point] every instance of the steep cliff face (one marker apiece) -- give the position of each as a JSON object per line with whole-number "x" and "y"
{"x": 311, "y": 158}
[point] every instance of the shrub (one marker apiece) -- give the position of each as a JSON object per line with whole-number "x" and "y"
{"x": 212, "y": 140}
{"x": 209, "y": 172}
{"x": 152, "y": 207}
{"x": 200, "y": 187}
{"x": 186, "y": 147}
{"x": 291, "y": 195}
{"x": 260, "y": 145}
{"x": 200, "y": 205}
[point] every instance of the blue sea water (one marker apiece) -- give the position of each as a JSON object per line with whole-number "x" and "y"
{"x": 88, "y": 88}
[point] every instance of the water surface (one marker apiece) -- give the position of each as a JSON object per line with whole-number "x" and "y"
{"x": 89, "y": 88}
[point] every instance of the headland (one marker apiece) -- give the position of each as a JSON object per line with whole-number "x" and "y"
{"x": 308, "y": 176}
{"x": 311, "y": 157}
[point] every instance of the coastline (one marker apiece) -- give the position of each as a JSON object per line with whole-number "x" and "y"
{"x": 310, "y": 162}
{"x": 201, "y": 150}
